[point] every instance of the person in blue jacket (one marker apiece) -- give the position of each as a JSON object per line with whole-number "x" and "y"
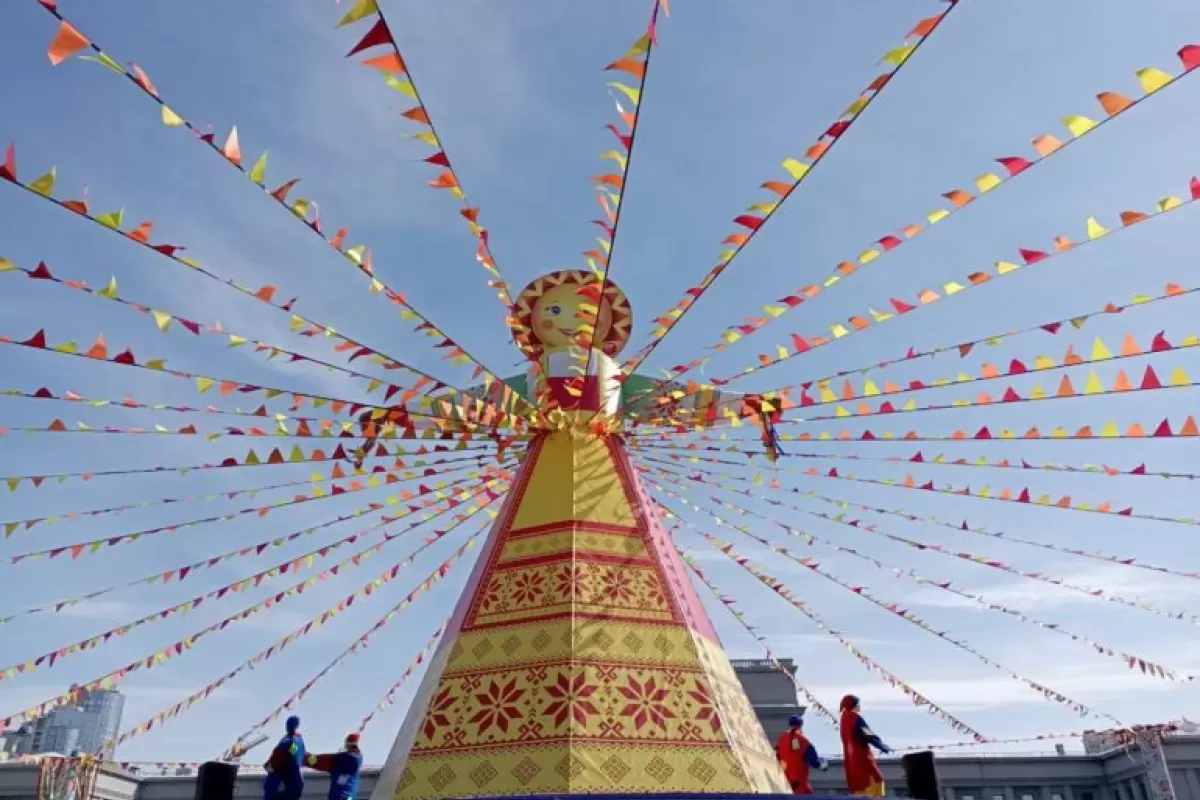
{"x": 343, "y": 768}
{"x": 284, "y": 780}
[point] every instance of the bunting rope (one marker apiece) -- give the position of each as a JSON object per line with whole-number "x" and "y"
{"x": 261, "y": 413}
{"x": 1109, "y": 431}
{"x": 274, "y": 459}
{"x": 992, "y": 563}
{"x": 394, "y": 67}
{"x": 1028, "y": 258}
{"x": 388, "y": 475}
{"x": 871, "y": 664}
{"x": 389, "y": 697}
{"x": 51, "y": 658}
{"x": 1082, "y": 709}
{"x": 964, "y": 526}
{"x": 798, "y": 170}
{"x": 635, "y": 62}
{"x": 111, "y": 679}
{"x": 813, "y": 702}
{"x": 1132, "y": 661}
{"x": 163, "y": 319}
{"x": 69, "y": 41}
{"x": 1113, "y": 104}
{"x": 204, "y": 383}
{"x": 1128, "y": 348}
{"x": 280, "y": 644}
{"x": 296, "y": 563}
{"x": 298, "y": 324}
{"x": 933, "y": 460}
{"x": 91, "y": 546}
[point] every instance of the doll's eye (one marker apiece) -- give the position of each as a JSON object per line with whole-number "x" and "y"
{"x": 554, "y": 311}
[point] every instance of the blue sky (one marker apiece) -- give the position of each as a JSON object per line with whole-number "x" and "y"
{"x": 518, "y": 96}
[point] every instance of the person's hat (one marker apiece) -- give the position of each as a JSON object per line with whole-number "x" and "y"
{"x": 849, "y": 703}
{"x": 352, "y": 740}
{"x": 293, "y": 724}
{"x": 795, "y": 721}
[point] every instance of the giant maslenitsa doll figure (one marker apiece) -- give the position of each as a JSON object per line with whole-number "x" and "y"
{"x": 579, "y": 658}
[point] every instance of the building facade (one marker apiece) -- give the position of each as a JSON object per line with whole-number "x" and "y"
{"x": 81, "y": 728}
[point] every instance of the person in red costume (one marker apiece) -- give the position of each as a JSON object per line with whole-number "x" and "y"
{"x": 797, "y": 755}
{"x": 862, "y": 773}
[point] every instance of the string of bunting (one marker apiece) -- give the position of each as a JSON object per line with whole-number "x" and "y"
{"x": 1108, "y": 431}
{"x": 1093, "y": 387}
{"x": 934, "y": 459}
{"x": 1113, "y": 104}
{"x": 1100, "y": 353}
{"x": 279, "y": 645}
{"x": 53, "y": 657}
{"x": 908, "y": 616}
{"x": 398, "y": 417}
{"x": 159, "y": 657}
{"x": 1027, "y": 258}
{"x": 99, "y": 351}
{"x": 91, "y": 546}
{"x": 963, "y": 349}
{"x": 361, "y": 642}
{"x": 163, "y": 319}
{"x": 610, "y": 187}
{"x": 399, "y": 78}
{"x": 812, "y": 701}
{"x": 69, "y": 41}
{"x": 1004, "y": 495}
{"x": 298, "y": 324}
{"x": 918, "y": 699}
{"x": 780, "y": 190}
{"x": 1174, "y": 615}
{"x": 251, "y": 459}
{"x": 376, "y": 477}
{"x": 389, "y": 697}
{"x": 294, "y": 564}
{"x": 1132, "y": 661}
{"x": 991, "y": 563}
{"x": 964, "y": 526}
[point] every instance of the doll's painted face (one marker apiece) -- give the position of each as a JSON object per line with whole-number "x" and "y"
{"x": 558, "y": 320}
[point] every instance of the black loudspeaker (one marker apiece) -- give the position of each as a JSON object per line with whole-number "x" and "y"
{"x": 216, "y": 780}
{"x": 921, "y": 775}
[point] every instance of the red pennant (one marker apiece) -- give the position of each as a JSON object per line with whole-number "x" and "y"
{"x": 379, "y": 34}
{"x": 1190, "y": 57}
{"x": 1014, "y": 164}
{"x": 9, "y": 170}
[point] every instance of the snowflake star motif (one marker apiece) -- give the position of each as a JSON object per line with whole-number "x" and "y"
{"x": 705, "y": 708}
{"x": 570, "y": 697}
{"x": 617, "y": 584}
{"x": 498, "y": 705}
{"x": 438, "y": 714}
{"x": 646, "y": 703}
{"x": 527, "y": 587}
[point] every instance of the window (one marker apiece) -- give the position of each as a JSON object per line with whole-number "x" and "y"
{"x": 1026, "y": 796}
{"x": 1056, "y": 796}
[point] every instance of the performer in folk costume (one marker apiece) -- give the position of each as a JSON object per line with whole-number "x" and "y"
{"x": 343, "y": 768}
{"x": 551, "y": 326}
{"x": 797, "y": 756}
{"x": 862, "y": 773}
{"x": 284, "y": 781}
